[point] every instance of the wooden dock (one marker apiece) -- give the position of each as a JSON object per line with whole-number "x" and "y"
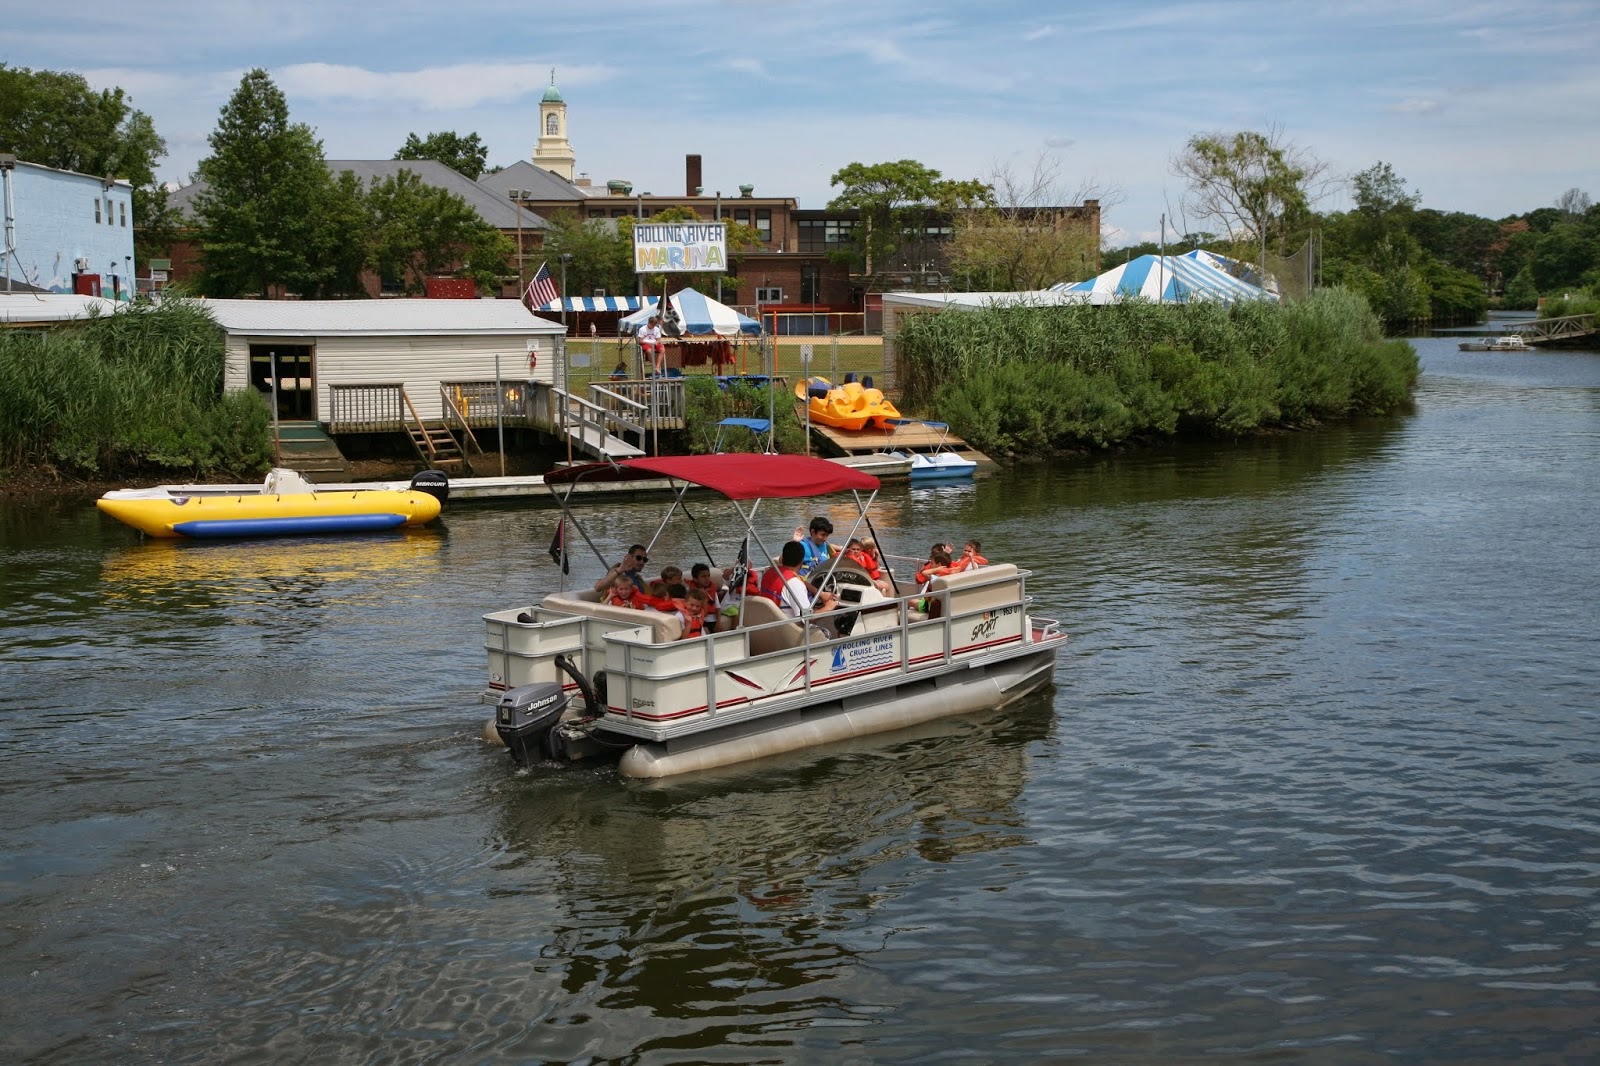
{"x": 910, "y": 437}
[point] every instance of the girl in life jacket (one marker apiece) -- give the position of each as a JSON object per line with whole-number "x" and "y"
{"x": 621, "y": 594}
{"x": 864, "y": 553}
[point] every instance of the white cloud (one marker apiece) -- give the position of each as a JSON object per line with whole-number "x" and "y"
{"x": 1415, "y": 105}
{"x": 1039, "y": 34}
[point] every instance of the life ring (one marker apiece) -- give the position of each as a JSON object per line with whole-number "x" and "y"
{"x": 533, "y": 360}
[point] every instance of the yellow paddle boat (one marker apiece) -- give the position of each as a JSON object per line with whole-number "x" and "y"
{"x": 853, "y": 405}
{"x": 284, "y": 505}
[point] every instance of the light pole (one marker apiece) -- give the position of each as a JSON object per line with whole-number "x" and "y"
{"x": 516, "y": 196}
{"x": 719, "y": 219}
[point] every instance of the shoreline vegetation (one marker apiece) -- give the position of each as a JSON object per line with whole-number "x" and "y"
{"x": 1030, "y": 382}
{"x": 136, "y": 396}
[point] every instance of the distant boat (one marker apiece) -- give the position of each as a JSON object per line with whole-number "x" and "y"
{"x": 1509, "y": 342}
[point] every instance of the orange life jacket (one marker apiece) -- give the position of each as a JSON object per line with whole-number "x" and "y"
{"x": 772, "y": 583}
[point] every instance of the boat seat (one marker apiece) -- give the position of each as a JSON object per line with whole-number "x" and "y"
{"x": 758, "y": 610}
{"x": 665, "y": 627}
{"x": 964, "y": 597}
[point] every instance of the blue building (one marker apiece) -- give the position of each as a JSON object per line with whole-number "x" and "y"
{"x": 66, "y": 232}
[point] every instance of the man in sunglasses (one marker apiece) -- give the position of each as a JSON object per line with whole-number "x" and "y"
{"x": 631, "y": 568}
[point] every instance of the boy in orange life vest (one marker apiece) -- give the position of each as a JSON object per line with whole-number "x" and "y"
{"x": 693, "y": 613}
{"x": 970, "y": 557}
{"x": 858, "y": 552}
{"x": 937, "y": 566}
{"x": 621, "y": 594}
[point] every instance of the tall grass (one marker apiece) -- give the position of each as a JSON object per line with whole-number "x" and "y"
{"x": 1034, "y": 380}
{"x": 136, "y": 391}
{"x": 705, "y": 404}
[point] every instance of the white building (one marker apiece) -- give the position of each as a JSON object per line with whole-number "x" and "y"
{"x": 66, "y": 232}
{"x": 318, "y": 346}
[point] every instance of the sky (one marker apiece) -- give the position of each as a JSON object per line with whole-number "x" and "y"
{"x": 1486, "y": 108}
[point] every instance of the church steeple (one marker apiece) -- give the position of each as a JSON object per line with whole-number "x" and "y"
{"x": 553, "y": 151}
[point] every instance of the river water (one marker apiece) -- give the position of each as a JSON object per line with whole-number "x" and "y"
{"x": 1319, "y": 781}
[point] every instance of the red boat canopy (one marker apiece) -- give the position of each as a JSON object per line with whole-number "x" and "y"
{"x": 738, "y": 476}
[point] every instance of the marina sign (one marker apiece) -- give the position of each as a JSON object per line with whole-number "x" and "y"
{"x": 677, "y": 247}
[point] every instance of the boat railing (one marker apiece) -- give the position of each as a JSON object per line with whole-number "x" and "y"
{"x": 682, "y": 677}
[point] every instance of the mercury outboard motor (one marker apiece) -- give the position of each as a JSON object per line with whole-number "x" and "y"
{"x": 435, "y": 483}
{"x": 525, "y": 715}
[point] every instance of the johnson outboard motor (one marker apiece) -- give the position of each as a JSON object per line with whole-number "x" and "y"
{"x": 435, "y": 483}
{"x": 524, "y": 717}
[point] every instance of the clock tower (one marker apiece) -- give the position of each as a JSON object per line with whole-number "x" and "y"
{"x": 554, "y": 151}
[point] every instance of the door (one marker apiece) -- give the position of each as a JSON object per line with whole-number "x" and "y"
{"x": 294, "y": 365}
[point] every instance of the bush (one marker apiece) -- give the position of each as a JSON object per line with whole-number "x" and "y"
{"x": 137, "y": 390}
{"x": 706, "y": 404}
{"x": 1034, "y": 380}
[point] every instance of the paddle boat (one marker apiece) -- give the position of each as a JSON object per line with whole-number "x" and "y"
{"x": 852, "y": 405}
{"x": 284, "y": 504}
{"x": 573, "y": 678}
{"x": 941, "y": 464}
{"x": 1506, "y": 342}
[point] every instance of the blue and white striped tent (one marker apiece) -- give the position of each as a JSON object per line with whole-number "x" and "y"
{"x": 700, "y": 314}
{"x": 1165, "y": 279}
{"x": 614, "y": 304}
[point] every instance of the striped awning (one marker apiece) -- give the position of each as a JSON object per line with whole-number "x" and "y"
{"x": 621, "y": 304}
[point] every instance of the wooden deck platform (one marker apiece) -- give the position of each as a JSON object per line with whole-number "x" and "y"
{"x": 913, "y": 437}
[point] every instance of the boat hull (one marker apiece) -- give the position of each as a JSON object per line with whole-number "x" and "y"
{"x": 299, "y": 514}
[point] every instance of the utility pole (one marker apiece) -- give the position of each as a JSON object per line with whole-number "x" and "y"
{"x": 516, "y": 196}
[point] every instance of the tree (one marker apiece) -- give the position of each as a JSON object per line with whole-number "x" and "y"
{"x": 1574, "y": 202}
{"x": 1259, "y": 187}
{"x": 267, "y": 186}
{"x": 420, "y": 230}
{"x": 896, "y": 200}
{"x": 466, "y": 155}
{"x": 1029, "y": 237}
{"x": 55, "y": 119}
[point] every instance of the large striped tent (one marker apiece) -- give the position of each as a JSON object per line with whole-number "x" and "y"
{"x": 700, "y": 314}
{"x": 1164, "y": 279}
{"x": 613, "y": 304}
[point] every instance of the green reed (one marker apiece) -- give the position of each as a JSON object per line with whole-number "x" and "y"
{"x": 136, "y": 391}
{"x": 1037, "y": 380}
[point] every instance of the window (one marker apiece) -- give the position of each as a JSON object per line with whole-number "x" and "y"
{"x": 764, "y": 224}
{"x": 839, "y": 231}
{"x": 741, "y": 215}
{"x": 97, "y": 209}
{"x": 110, "y": 218}
{"x": 597, "y": 212}
{"x": 552, "y": 124}
{"x": 122, "y": 213}
{"x": 769, "y": 296}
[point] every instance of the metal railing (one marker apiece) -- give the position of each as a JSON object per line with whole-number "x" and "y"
{"x": 377, "y": 408}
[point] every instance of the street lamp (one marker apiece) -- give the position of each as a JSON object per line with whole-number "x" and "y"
{"x": 516, "y": 196}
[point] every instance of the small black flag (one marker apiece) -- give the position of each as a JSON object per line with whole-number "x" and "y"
{"x": 558, "y": 546}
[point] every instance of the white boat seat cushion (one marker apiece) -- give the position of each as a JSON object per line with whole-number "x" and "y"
{"x": 758, "y": 610}
{"x": 665, "y": 627}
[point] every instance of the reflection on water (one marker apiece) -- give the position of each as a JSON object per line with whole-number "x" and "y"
{"x": 1318, "y": 781}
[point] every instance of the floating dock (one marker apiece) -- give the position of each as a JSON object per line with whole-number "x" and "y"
{"x": 910, "y": 436}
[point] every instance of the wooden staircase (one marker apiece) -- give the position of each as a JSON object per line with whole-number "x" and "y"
{"x": 436, "y": 444}
{"x": 306, "y": 449}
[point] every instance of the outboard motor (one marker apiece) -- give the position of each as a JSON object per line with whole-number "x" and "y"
{"x": 435, "y": 483}
{"x": 525, "y": 715}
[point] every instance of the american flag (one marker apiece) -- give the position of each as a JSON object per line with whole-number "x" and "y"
{"x": 541, "y": 290}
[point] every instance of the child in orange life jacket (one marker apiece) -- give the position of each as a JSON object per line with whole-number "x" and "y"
{"x": 970, "y": 557}
{"x": 939, "y": 565}
{"x": 858, "y": 552}
{"x": 693, "y": 613}
{"x": 621, "y": 594}
{"x": 660, "y": 596}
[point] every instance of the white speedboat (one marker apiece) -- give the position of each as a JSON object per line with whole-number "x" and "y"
{"x": 1507, "y": 342}
{"x": 573, "y": 678}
